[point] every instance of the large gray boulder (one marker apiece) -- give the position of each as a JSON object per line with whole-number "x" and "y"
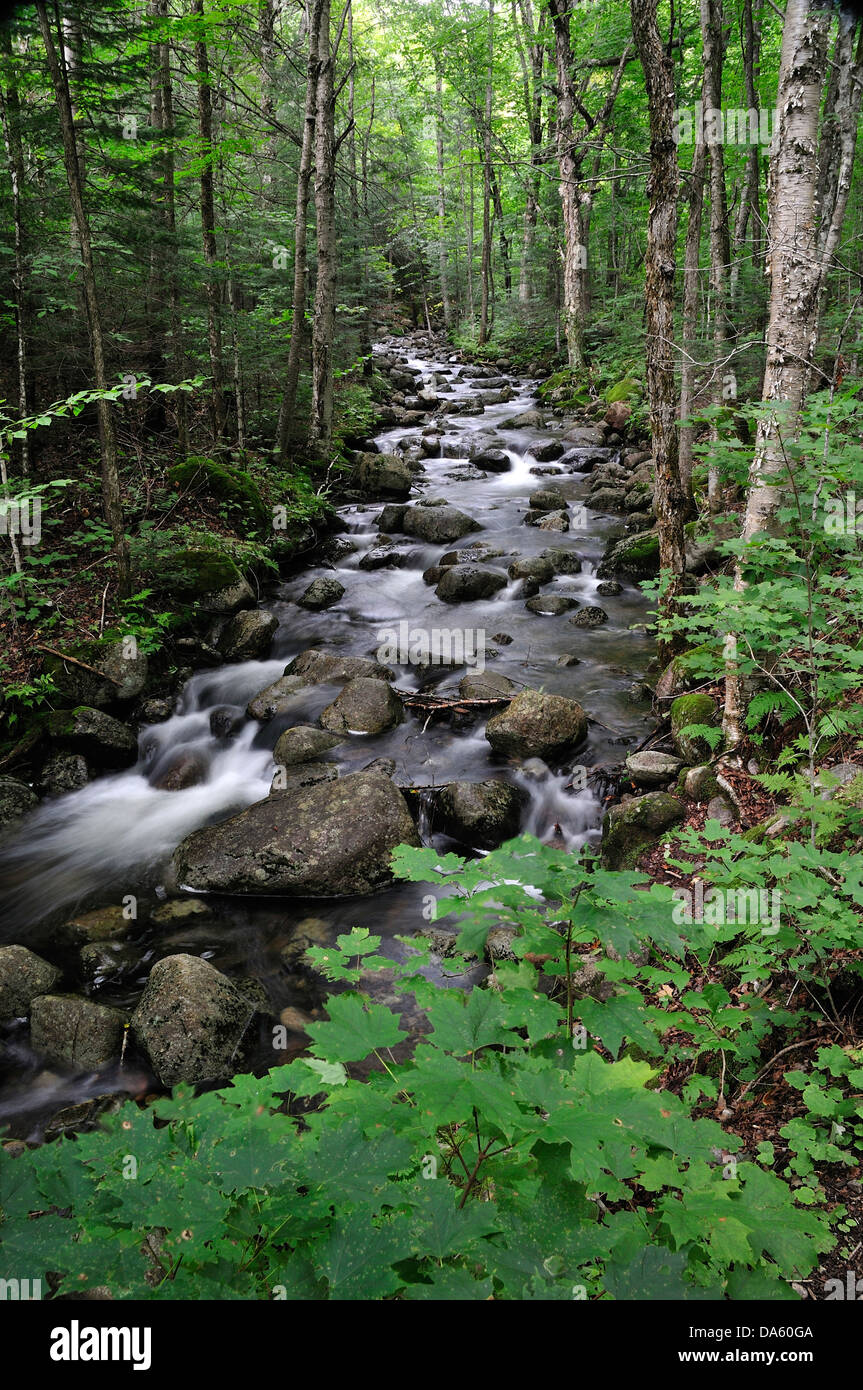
{"x": 535, "y": 725}
{"x": 248, "y": 635}
{"x": 23, "y": 976}
{"x": 118, "y": 672}
{"x": 331, "y": 840}
{"x": 437, "y": 525}
{"x": 365, "y": 706}
{"x": 465, "y": 583}
{"x": 190, "y": 1021}
{"x": 384, "y": 475}
{"x": 481, "y": 814}
{"x": 333, "y": 668}
{"x": 275, "y": 699}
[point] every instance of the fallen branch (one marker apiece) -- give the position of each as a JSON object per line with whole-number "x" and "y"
{"x": 103, "y": 675}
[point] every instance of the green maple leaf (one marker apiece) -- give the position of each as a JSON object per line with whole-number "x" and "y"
{"x": 354, "y": 1029}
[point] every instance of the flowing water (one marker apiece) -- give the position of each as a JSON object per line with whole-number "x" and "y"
{"x": 114, "y": 838}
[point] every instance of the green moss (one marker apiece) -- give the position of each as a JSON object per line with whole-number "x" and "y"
{"x": 220, "y": 483}
{"x": 195, "y": 572}
{"x": 687, "y": 711}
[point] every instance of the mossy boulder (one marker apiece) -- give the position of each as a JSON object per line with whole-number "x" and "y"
{"x": 98, "y": 737}
{"x": 535, "y": 725}
{"x": 16, "y": 801}
{"x": 119, "y": 671}
{"x": 207, "y": 579}
{"x": 191, "y": 1020}
{"x": 220, "y": 482}
{"x": 23, "y": 977}
{"x": 636, "y": 555}
{"x": 629, "y": 829}
{"x": 481, "y": 814}
{"x": 686, "y": 711}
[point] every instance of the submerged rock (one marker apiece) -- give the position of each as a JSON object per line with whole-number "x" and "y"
{"x": 190, "y": 1021}
{"x": 331, "y": 840}
{"x": 276, "y": 698}
{"x": 590, "y": 616}
{"x": 465, "y": 583}
{"x": 536, "y": 725}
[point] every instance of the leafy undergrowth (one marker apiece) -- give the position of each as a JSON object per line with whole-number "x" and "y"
{"x": 562, "y": 1132}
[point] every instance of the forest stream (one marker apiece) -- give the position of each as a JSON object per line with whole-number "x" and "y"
{"x": 115, "y": 837}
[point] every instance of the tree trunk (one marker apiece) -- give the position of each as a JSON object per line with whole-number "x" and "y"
{"x": 574, "y": 251}
{"x": 671, "y": 501}
{"x": 441, "y": 199}
{"x": 11, "y": 112}
{"x": 324, "y": 326}
{"x": 486, "y": 184}
{"x": 208, "y": 230}
{"x": 691, "y": 297}
{"x": 713, "y": 46}
{"x": 796, "y": 275}
{"x": 111, "y": 498}
{"x": 170, "y": 221}
{"x": 301, "y": 217}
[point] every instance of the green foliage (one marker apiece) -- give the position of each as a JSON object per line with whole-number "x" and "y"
{"x": 219, "y": 482}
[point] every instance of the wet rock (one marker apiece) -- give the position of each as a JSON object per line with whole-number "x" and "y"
{"x": 248, "y": 635}
{"x": 23, "y": 977}
{"x": 102, "y": 924}
{"x": 391, "y": 517}
{"x": 384, "y": 475}
{"x": 585, "y": 436}
{"x": 303, "y": 744}
{"x": 492, "y": 460}
{"x": 503, "y": 639}
{"x": 589, "y": 617}
{"x": 629, "y": 829}
{"x": 688, "y": 710}
{"x": 382, "y": 557}
{"x": 537, "y": 725}
{"x": 547, "y": 499}
{"x": 191, "y": 1021}
{"x": 569, "y": 660}
{"x": 288, "y": 779}
{"x": 332, "y": 840}
{"x": 385, "y": 766}
{"x": 607, "y": 499}
{"x": 545, "y": 453}
{"x": 609, "y": 588}
{"x": 562, "y": 559}
{"x": 108, "y": 960}
{"x": 17, "y": 800}
{"x": 438, "y": 525}
{"x": 636, "y": 555}
{"x": 465, "y": 583}
{"x": 296, "y": 1021}
{"x": 485, "y": 685}
{"x": 652, "y": 769}
{"x": 98, "y": 737}
{"x": 639, "y": 692}
{"x": 532, "y": 567}
{"x": 185, "y": 768}
{"x": 326, "y": 668}
{"x": 321, "y": 593}
{"x": 433, "y": 575}
{"x": 365, "y": 706}
{"x": 550, "y": 605}
{"x": 528, "y": 420}
{"x": 481, "y": 814}
{"x": 225, "y": 721}
{"x": 550, "y": 521}
{"x": 311, "y": 931}
{"x": 64, "y": 1028}
{"x": 64, "y": 772}
{"x": 276, "y": 698}
{"x": 156, "y": 711}
{"x": 334, "y": 549}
